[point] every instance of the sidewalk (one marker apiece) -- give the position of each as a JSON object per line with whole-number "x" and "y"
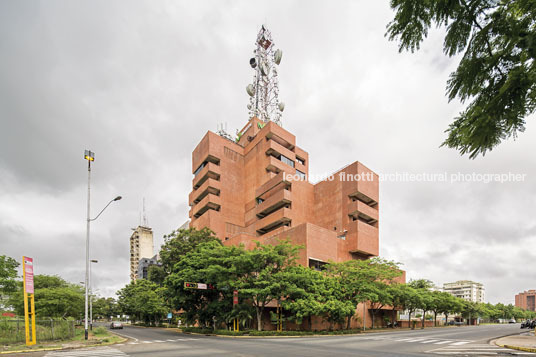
{"x": 525, "y": 343}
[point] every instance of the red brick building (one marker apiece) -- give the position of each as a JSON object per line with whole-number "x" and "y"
{"x": 251, "y": 191}
{"x": 526, "y": 300}
{"x": 256, "y": 189}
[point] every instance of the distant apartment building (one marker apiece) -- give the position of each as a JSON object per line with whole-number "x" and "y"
{"x": 526, "y": 300}
{"x": 466, "y": 290}
{"x": 141, "y": 246}
{"x": 144, "y": 264}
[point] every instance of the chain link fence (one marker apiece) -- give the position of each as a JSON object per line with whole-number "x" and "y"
{"x": 13, "y": 330}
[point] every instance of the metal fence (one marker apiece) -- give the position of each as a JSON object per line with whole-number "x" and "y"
{"x": 13, "y": 330}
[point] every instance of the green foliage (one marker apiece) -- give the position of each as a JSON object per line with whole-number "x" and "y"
{"x": 143, "y": 300}
{"x": 497, "y": 71}
{"x": 8, "y": 276}
{"x": 156, "y": 274}
{"x": 105, "y": 308}
{"x": 180, "y": 242}
{"x": 54, "y": 297}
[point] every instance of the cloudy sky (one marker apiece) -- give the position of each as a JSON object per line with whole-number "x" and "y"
{"x": 140, "y": 83}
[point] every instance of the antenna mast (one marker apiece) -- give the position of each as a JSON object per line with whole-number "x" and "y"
{"x": 264, "y": 92}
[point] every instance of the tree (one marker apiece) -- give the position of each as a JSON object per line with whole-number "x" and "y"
{"x": 156, "y": 274}
{"x": 8, "y": 276}
{"x": 54, "y": 297}
{"x": 379, "y": 298}
{"x": 496, "y": 72}
{"x": 105, "y": 308}
{"x": 358, "y": 279}
{"x": 143, "y": 300}
{"x": 180, "y": 242}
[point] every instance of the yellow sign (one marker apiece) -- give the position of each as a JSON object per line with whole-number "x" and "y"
{"x": 27, "y": 271}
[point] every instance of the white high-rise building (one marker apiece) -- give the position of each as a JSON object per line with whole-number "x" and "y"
{"x": 466, "y": 289}
{"x": 141, "y": 246}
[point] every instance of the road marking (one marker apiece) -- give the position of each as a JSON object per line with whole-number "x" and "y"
{"x": 429, "y": 341}
{"x": 93, "y": 352}
{"x": 146, "y": 341}
{"x": 459, "y": 343}
{"x": 442, "y": 342}
{"x": 158, "y": 341}
{"x": 170, "y": 340}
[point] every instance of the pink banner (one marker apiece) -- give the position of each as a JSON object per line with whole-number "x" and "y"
{"x": 28, "y": 275}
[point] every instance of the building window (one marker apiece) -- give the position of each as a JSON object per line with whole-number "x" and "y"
{"x": 316, "y": 264}
{"x": 259, "y": 201}
{"x": 300, "y": 161}
{"x": 200, "y": 168}
{"x": 287, "y": 161}
{"x": 301, "y": 175}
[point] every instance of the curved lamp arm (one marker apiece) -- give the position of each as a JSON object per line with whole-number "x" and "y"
{"x": 115, "y": 199}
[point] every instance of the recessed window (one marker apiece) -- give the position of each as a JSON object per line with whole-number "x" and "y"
{"x": 301, "y": 175}
{"x": 300, "y": 160}
{"x": 287, "y": 161}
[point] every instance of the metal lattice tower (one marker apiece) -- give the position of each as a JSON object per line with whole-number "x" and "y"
{"x": 264, "y": 91}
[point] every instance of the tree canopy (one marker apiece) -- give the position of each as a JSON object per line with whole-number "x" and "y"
{"x": 497, "y": 72}
{"x": 54, "y": 297}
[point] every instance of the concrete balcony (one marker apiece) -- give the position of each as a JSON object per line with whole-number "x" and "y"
{"x": 210, "y": 170}
{"x": 276, "y": 219}
{"x": 363, "y": 238}
{"x": 277, "y": 166}
{"x": 275, "y": 149}
{"x": 359, "y": 209}
{"x": 211, "y": 186}
{"x": 209, "y": 202}
{"x": 283, "y": 137}
{"x": 271, "y": 184}
{"x": 279, "y": 199}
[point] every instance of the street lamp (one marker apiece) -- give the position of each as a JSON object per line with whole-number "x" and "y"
{"x": 90, "y": 156}
{"x": 91, "y": 296}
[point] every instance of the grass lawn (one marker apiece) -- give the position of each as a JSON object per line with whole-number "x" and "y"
{"x": 98, "y": 337}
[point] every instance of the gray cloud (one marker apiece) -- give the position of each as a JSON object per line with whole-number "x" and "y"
{"x": 139, "y": 83}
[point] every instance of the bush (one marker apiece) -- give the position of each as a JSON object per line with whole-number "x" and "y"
{"x": 100, "y": 331}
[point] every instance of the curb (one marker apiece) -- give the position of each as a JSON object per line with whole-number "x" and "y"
{"x": 63, "y": 348}
{"x": 300, "y": 336}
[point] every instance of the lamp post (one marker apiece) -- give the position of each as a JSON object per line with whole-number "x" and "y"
{"x": 91, "y": 296}
{"x": 90, "y": 156}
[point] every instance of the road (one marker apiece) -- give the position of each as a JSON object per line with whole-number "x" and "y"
{"x": 452, "y": 341}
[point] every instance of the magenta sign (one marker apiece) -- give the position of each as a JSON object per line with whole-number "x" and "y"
{"x": 28, "y": 275}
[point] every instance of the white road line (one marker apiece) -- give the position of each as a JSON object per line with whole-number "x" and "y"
{"x": 146, "y": 341}
{"x": 459, "y": 343}
{"x": 94, "y": 352}
{"x": 158, "y": 341}
{"x": 442, "y": 342}
{"x": 170, "y": 340}
{"x": 429, "y": 341}
{"x": 404, "y": 339}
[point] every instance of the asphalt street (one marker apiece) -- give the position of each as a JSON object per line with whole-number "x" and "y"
{"x": 452, "y": 341}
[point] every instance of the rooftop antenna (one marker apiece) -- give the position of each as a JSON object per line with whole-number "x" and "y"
{"x": 221, "y": 130}
{"x": 264, "y": 91}
{"x": 145, "y": 223}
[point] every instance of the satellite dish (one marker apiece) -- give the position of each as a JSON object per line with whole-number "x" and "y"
{"x": 249, "y": 106}
{"x": 264, "y": 69}
{"x": 281, "y": 106}
{"x": 252, "y": 62}
{"x": 277, "y": 56}
{"x": 251, "y": 90}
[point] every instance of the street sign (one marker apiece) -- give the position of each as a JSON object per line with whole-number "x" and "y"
{"x": 169, "y": 315}
{"x": 200, "y": 286}
{"x": 29, "y": 309}
{"x": 28, "y": 275}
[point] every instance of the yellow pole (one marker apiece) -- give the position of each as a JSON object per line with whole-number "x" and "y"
{"x": 26, "y": 319}
{"x": 32, "y": 304}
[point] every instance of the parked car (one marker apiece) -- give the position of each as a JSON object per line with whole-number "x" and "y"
{"x": 116, "y": 324}
{"x": 512, "y": 321}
